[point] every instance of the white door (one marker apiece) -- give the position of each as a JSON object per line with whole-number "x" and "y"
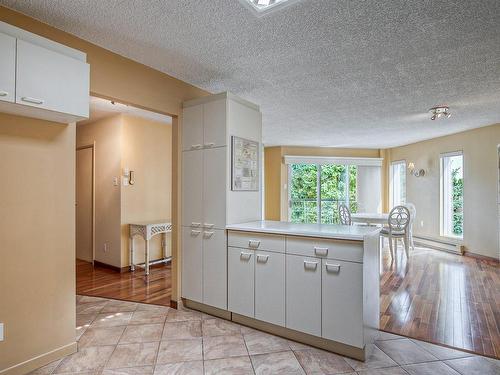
{"x": 192, "y": 188}
{"x": 192, "y": 260}
{"x": 214, "y": 124}
{"x": 51, "y": 80}
{"x": 214, "y": 188}
{"x": 84, "y": 204}
{"x": 192, "y": 128}
{"x": 7, "y": 68}
{"x": 342, "y": 298}
{"x": 270, "y": 287}
{"x": 240, "y": 281}
{"x": 215, "y": 268}
{"x": 303, "y": 294}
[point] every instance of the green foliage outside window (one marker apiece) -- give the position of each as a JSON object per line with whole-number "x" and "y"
{"x": 458, "y": 201}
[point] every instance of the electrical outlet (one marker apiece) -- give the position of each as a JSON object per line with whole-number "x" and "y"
{"x": 1, "y": 331}
{"x": 105, "y": 247}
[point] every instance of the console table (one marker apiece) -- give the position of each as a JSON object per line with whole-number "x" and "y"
{"x": 148, "y": 230}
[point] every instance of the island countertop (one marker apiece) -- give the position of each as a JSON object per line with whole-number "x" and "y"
{"x": 331, "y": 231}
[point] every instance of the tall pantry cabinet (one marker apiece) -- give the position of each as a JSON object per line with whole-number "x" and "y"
{"x": 208, "y": 203}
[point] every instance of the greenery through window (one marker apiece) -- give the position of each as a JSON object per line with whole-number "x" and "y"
{"x": 317, "y": 190}
{"x": 452, "y": 194}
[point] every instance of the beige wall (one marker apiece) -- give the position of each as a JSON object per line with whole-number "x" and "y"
{"x": 146, "y": 150}
{"x": 111, "y": 76}
{"x": 37, "y": 250}
{"x": 479, "y": 148}
{"x": 106, "y": 134}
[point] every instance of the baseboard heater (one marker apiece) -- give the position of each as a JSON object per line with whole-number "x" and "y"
{"x": 443, "y": 244}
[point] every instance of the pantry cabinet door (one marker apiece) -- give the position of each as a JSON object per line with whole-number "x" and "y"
{"x": 215, "y": 268}
{"x": 192, "y": 276}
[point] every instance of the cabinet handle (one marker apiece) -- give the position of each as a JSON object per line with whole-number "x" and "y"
{"x": 245, "y": 256}
{"x": 196, "y": 147}
{"x": 254, "y": 244}
{"x": 332, "y": 267}
{"x": 209, "y": 145}
{"x": 321, "y": 250}
{"x": 31, "y": 100}
{"x": 206, "y": 225}
{"x": 310, "y": 265}
{"x": 4, "y": 93}
{"x": 196, "y": 225}
{"x": 208, "y": 234}
{"x": 195, "y": 232}
{"x": 262, "y": 258}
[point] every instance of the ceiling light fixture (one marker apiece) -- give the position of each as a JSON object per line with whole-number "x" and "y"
{"x": 261, "y": 7}
{"x": 440, "y": 111}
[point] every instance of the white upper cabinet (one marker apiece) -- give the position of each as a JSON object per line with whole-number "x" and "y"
{"x": 192, "y": 128}
{"x": 50, "y": 80}
{"x": 214, "y": 121}
{"x": 7, "y": 68}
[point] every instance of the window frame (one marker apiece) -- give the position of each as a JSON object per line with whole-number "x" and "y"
{"x": 442, "y": 193}
{"x": 391, "y": 180}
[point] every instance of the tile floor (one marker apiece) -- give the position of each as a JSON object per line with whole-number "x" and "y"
{"x": 119, "y": 338}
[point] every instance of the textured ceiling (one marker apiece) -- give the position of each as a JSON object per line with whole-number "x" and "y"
{"x": 345, "y": 73}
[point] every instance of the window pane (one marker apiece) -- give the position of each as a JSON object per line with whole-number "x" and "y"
{"x": 398, "y": 186}
{"x": 452, "y": 195}
{"x": 338, "y": 185}
{"x": 303, "y": 193}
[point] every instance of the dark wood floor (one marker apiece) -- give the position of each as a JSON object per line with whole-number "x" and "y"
{"x": 443, "y": 298}
{"x": 104, "y": 282}
{"x": 436, "y": 297}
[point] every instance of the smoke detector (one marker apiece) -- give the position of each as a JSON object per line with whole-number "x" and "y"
{"x": 440, "y": 111}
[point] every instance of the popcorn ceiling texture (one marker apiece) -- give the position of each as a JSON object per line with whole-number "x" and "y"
{"x": 346, "y": 73}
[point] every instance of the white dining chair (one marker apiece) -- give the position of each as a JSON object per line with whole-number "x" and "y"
{"x": 398, "y": 223}
{"x": 413, "y": 214}
{"x": 345, "y": 215}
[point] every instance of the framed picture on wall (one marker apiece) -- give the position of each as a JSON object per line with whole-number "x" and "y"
{"x": 244, "y": 164}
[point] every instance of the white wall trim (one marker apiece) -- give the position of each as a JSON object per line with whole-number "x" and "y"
{"x": 366, "y": 162}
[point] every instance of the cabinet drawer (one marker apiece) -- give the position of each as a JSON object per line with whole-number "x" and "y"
{"x": 257, "y": 241}
{"x": 343, "y": 250}
{"x": 240, "y": 283}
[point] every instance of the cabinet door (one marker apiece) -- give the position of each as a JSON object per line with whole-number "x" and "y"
{"x": 342, "y": 298}
{"x": 192, "y": 128}
{"x": 192, "y": 264}
{"x": 270, "y": 287}
{"x": 214, "y": 188}
{"x": 50, "y": 80}
{"x": 215, "y": 268}
{"x": 192, "y": 188}
{"x": 214, "y": 124}
{"x": 7, "y": 68}
{"x": 303, "y": 294}
{"x": 240, "y": 281}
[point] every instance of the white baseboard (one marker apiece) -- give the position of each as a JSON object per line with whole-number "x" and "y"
{"x": 41, "y": 360}
{"x": 442, "y": 244}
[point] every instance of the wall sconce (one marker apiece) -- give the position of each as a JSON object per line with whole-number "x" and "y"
{"x": 415, "y": 171}
{"x": 128, "y": 177}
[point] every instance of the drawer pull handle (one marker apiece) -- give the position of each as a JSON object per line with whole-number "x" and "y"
{"x": 209, "y": 145}
{"x": 206, "y": 225}
{"x": 321, "y": 251}
{"x": 310, "y": 265}
{"x": 254, "y": 244}
{"x": 4, "y": 93}
{"x": 197, "y": 225}
{"x": 332, "y": 267}
{"x": 31, "y": 100}
{"x": 208, "y": 234}
{"x": 195, "y": 232}
{"x": 245, "y": 256}
{"x": 262, "y": 258}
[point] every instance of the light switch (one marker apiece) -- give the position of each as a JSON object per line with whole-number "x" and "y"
{"x": 1, "y": 331}
{"x": 115, "y": 181}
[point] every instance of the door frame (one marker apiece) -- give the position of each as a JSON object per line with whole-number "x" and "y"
{"x": 92, "y": 147}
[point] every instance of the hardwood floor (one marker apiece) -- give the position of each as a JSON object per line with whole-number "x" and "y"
{"x": 104, "y": 282}
{"x": 436, "y": 297}
{"x": 442, "y": 298}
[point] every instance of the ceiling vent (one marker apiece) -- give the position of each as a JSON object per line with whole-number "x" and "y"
{"x": 262, "y": 7}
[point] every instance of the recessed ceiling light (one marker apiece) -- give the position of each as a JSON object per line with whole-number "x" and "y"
{"x": 261, "y": 7}
{"x": 440, "y": 111}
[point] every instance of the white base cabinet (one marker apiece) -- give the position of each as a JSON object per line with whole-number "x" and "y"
{"x": 215, "y": 268}
{"x": 192, "y": 261}
{"x": 270, "y": 287}
{"x": 241, "y": 277}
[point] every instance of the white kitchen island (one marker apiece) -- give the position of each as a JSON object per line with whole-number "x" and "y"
{"x": 313, "y": 283}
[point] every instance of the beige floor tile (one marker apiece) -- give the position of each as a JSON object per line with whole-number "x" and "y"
{"x": 148, "y": 317}
{"x": 224, "y": 347}
{"x": 89, "y": 299}
{"x": 261, "y": 343}
{"x": 145, "y": 370}
{"x": 182, "y": 315}
{"x": 142, "y": 333}
{"x": 405, "y": 351}
{"x": 376, "y": 359}
{"x": 111, "y": 319}
{"x": 219, "y": 327}
{"x": 475, "y": 366}
{"x": 84, "y": 320}
{"x": 119, "y": 306}
{"x": 47, "y": 369}
{"x": 90, "y": 307}
{"x": 181, "y": 368}
{"x": 441, "y": 352}
{"x": 383, "y": 336}
{"x": 173, "y": 351}
{"x": 101, "y": 336}
{"x": 430, "y": 368}
{"x": 384, "y": 371}
{"x": 182, "y": 330}
{"x": 133, "y": 355}
{"x": 86, "y": 359}
{"x": 148, "y": 307}
{"x": 294, "y": 345}
{"x": 315, "y": 361}
{"x": 229, "y": 366}
{"x": 283, "y": 363}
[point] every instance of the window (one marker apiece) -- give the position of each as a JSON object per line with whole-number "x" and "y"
{"x": 398, "y": 183}
{"x": 452, "y": 194}
{"x": 316, "y": 191}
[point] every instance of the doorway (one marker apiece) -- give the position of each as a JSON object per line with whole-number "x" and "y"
{"x": 85, "y": 203}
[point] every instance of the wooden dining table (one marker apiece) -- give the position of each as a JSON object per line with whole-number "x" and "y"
{"x": 370, "y": 218}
